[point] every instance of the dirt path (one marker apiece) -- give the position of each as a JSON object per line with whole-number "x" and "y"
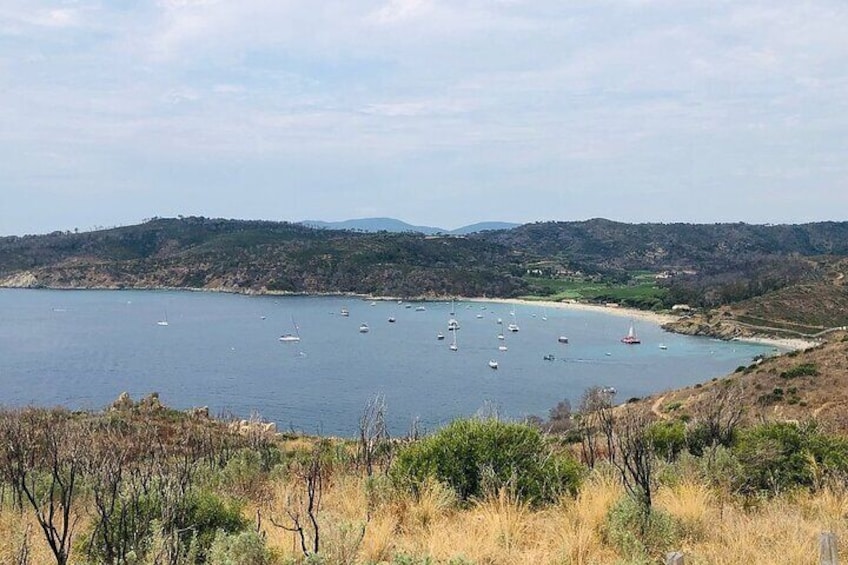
{"x": 655, "y": 408}
{"x": 820, "y": 408}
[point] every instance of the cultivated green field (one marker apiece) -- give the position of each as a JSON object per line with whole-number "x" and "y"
{"x": 641, "y": 292}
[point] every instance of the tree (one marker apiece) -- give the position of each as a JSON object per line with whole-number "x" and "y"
{"x": 43, "y": 461}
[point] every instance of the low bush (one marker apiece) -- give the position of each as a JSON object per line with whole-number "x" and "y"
{"x": 640, "y": 537}
{"x": 780, "y": 456}
{"x": 802, "y": 370}
{"x": 475, "y": 456}
{"x": 667, "y": 438}
{"x": 243, "y": 548}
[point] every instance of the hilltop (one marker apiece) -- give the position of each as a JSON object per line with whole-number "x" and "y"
{"x": 372, "y": 225}
{"x": 254, "y": 256}
{"x": 743, "y": 279}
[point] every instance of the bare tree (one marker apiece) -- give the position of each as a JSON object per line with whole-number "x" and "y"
{"x": 373, "y": 433}
{"x": 594, "y": 422}
{"x": 722, "y": 411}
{"x": 635, "y": 455}
{"x": 43, "y": 463}
{"x": 303, "y": 505}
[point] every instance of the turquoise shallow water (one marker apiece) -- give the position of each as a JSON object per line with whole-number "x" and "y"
{"x": 81, "y": 349}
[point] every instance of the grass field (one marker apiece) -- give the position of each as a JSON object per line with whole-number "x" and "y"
{"x": 642, "y": 292}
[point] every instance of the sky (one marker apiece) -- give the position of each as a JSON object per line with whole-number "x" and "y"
{"x": 436, "y": 112}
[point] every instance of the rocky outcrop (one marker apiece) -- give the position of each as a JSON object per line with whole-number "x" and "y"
{"x": 24, "y": 279}
{"x": 709, "y": 325}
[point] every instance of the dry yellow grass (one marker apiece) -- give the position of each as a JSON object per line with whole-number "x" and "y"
{"x": 500, "y": 530}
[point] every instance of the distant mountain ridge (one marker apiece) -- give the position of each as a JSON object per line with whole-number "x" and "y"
{"x": 392, "y": 225}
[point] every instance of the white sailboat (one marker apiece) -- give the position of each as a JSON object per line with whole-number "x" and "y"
{"x": 291, "y": 337}
{"x": 163, "y": 321}
{"x": 453, "y": 345}
{"x": 513, "y": 326}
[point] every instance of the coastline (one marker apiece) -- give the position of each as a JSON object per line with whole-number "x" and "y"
{"x": 790, "y": 344}
{"x": 642, "y": 315}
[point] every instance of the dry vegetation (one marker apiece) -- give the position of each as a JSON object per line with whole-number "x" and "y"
{"x": 501, "y": 530}
{"x": 796, "y": 386}
{"x": 312, "y": 500}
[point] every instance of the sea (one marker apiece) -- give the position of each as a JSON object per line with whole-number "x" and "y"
{"x": 82, "y": 348}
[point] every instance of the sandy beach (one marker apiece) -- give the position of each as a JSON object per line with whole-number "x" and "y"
{"x": 644, "y": 315}
{"x": 786, "y": 344}
{"x": 781, "y": 343}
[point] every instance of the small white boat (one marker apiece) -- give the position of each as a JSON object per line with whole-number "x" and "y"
{"x": 440, "y": 336}
{"x": 500, "y": 321}
{"x": 454, "y": 346}
{"x": 549, "y": 357}
{"x": 373, "y": 303}
{"x": 512, "y": 327}
{"x": 420, "y": 309}
{"x": 345, "y": 312}
{"x": 453, "y": 325}
{"x": 392, "y": 319}
{"x": 501, "y": 336}
{"x": 479, "y": 316}
{"x": 502, "y": 348}
{"x": 363, "y": 328}
{"x": 493, "y": 364}
{"x": 163, "y": 321}
{"x": 289, "y": 338}
{"x": 609, "y": 390}
{"x": 562, "y": 339}
{"x": 663, "y": 346}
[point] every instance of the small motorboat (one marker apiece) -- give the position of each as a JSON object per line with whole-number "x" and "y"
{"x": 549, "y": 357}
{"x": 562, "y": 339}
{"x": 392, "y": 320}
{"x": 363, "y": 328}
{"x": 663, "y": 346}
{"x": 493, "y": 364}
{"x": 440, "y": 336}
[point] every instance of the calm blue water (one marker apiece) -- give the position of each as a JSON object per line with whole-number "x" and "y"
{"x": 81, "y": 349}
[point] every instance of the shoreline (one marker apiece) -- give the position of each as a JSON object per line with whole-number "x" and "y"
{"x": 643, "y": 315}
{"x": 791, "y": 344}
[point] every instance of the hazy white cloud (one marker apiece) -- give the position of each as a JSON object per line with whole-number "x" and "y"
{"x": 508, "y": 109}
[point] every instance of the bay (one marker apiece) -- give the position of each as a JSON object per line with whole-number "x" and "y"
{"x": 81, "y": 349}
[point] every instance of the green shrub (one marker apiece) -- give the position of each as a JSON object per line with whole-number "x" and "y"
{"x": 638, "y": 537}
{"x": 781, "y": 456}
{"x": 802, "y": 370}
{"x": 474, "y": 455}
{"x": 202, "y": 515}
{"x": 667, "y": 438}
{"x": 243, "y": 548}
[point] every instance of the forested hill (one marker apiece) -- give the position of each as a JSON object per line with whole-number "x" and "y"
{"x": 259, "y": 256}
{"x": 605, "y": 244}
{"x": 709, "y": 264}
